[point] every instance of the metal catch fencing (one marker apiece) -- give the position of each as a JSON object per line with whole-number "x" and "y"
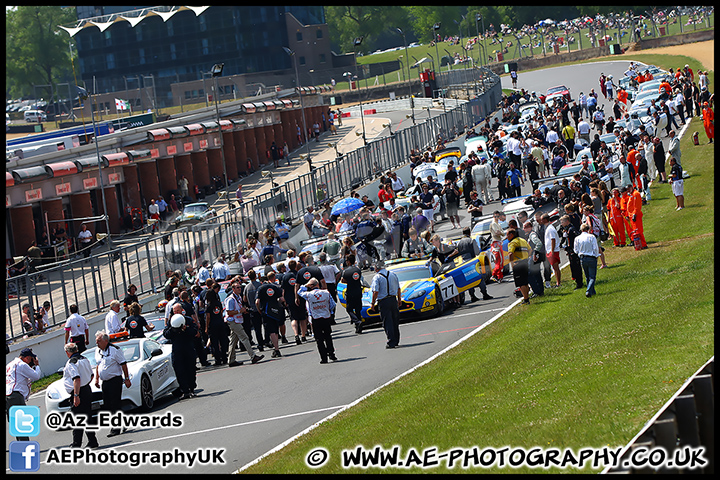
{"x": 94, "y": 282}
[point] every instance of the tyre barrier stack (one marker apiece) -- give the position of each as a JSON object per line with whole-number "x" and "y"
{"x": 686, "y": 420}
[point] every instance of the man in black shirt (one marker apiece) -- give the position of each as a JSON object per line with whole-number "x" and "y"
{"x": 298, "y": 313}
{"x": 351, "y": 276}
{"x": 467, "y": 248}
{"x": 270, "y": 303}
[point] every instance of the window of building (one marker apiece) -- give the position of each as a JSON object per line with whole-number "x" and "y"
{"x": 172, "y": 52}
{"x": 141, "y": 55}
{"x": 298, "y": 35}
{"x": 319, "y": 33}
{"x": 301, "y": 60}
{"x": 203, "y": 25}
{"x": 110, "y": 60}
{"x": 322, "y": 58}
{"x": 170, "y": 29}
{"x": 205, "y": 49}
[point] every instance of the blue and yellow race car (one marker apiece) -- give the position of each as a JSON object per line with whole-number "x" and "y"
{"x": 425, "y": 285}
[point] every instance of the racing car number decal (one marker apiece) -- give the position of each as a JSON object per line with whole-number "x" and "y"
{"x": 448, "y": 289}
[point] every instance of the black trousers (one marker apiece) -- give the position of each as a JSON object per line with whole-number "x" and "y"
{"x": 576, "y": 269}
{"x": 219, "y": 340}
{"x": 390, "y": 315}
{"x": 183, "y": 362}
{"x": 85, "y": 409}
{"x": 354, "y": 305}
{"x": 13, "y": 400}
{"x": 323, "y": 337}
{"x": 112, "y": 393}
{"x": 80, "y": 342}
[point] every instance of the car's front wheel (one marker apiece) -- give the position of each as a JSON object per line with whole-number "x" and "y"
{"x": 146, "y": 393}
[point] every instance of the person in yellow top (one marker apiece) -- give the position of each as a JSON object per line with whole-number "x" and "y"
{"x": 518, "y": 253}
{"x": 568, "y": 135}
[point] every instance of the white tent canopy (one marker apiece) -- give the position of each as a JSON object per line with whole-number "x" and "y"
{"x": 133, "y": 17}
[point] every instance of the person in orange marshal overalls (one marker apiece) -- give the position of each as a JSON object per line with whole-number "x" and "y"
{"x": 616, "y": 218}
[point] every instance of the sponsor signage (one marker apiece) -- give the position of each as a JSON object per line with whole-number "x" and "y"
{"x": 63, "y": 189}
{"x": 33, "y": 195}
{"x": 114, "y": 178}
{"x": 171, "y": 149}
{"x": 204, "y": 143}
{"x": 188, "y": 147}
{"x": 90, "y": 183}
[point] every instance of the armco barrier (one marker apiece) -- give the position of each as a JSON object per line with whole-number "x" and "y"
{"x": 687, "y": 419}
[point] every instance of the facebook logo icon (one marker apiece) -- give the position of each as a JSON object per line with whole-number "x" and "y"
{"x": 24, "y": 421}
{"x": 24, "y": 456}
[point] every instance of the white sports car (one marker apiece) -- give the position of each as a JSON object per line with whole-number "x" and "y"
{"x": 151, "y": 373}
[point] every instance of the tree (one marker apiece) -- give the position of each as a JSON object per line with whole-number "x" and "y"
{"x": 36, "y": 50}
{"x": 346, "y": 23}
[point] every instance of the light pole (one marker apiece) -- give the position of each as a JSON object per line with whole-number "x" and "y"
{"x": 436, "y": 27}
{"x": 83, "y": 95}
{"x": 407, "y": 56}
{"x": 302, "y": 107}
{"x": 356, "y": 43}
{"x": 216, "y": 71}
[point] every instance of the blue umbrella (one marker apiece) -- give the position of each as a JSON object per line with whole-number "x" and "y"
{"x": 347, "y": 205}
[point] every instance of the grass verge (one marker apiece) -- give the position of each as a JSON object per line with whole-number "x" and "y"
{"x": 565, "y": 371}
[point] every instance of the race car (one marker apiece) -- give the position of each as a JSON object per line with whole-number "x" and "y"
{"x": 425, "y": 286}
{"x": 478, "y": 145}
{"x": 558, "y": 91}
{"x": 150, "y": 369}
{"x": 195, "y": 213}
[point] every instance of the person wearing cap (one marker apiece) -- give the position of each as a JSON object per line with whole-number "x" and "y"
{"x": 321, "y": 308}
{"x": 77, "y": 376}
{"x": 111, "y": 368}
{"x": 19, "y": 374}
{"x": 676, "y": 181}
{"x": 76, "y": 329}
{"x": 181, "y": 331}
{"x": 708, "y": 117}
{"x": 386, "y": 297}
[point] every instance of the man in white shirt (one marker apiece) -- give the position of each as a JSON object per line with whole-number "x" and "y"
{"x": 19, "y": 374}
{"x": 111, "y": 368}
{"x": 112, "y": 319}
{"x": 397, "y": 183}
{"x": 552, "y": 246}
{"x": 203, "y": 273}
{"x": 583, "y": 129}
{"x": 321, "y": 308}
{"x": 76, "y": 329}
{"x": 234, "y": 318}
{"x": 586, "y": 247}
{"x": 551, "y": 137}
{"x": 220, "y": 270}
{"x": 482, "y": 175}
{"x": 85, "y": 239}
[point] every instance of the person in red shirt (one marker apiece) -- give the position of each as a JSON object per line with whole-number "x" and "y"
{"x": 689, "y": 73}
{"x": 634, "y": 212}
{"x": 622, "y": 95}
{"x": 385, "y": 193}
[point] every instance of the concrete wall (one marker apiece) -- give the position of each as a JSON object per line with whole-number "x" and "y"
{"x": 49, "y": 346}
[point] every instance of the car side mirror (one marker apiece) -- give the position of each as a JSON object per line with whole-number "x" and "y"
{"x": 156, "y": 352}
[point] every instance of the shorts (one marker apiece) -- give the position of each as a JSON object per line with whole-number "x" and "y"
{"x": 553, "y": 258}
{"x": 678, "y": 187}
{"x": 271, "y": 325}
{"x": 298, "y": 313}
{"x": 429, "y": 214}
{"x": 520, "y": 273}
{"x": 452, "y": 209}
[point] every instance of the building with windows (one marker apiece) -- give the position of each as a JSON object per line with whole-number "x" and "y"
{"x": 144, "y": 50}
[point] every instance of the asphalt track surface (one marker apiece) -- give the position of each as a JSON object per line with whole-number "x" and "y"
{"x": 245, "y": 412}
